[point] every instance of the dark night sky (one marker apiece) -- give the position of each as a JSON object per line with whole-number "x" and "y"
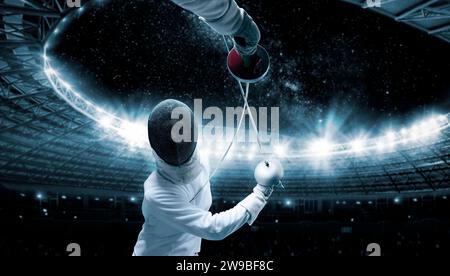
{"x": 328, "y": 57}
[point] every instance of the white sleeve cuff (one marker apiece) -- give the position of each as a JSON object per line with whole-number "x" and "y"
{"x": 230, "y": 22}
{"x": 254, "y": 204}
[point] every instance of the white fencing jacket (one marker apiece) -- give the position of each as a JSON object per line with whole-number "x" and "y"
{"x": 174, "y": 223}
{"x": 224, "y": 16}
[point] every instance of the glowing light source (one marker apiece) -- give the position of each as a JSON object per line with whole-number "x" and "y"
{"x": 250, "y": 152}
{"x": 133, "y": 133}
{"x": 66, "y": 85}
{"x": 250, "y": 156}
{"x": 106, "y": 121}
{"x": 39, "y": 196}
{"x": 389, "y": 141}
{"x": 321, "y": 147}
{"x": 204, "y": 152}
{"x": 397, "y": 200}
{"x": 380, "y": 145}
{"x": 430, "y": 127}
{"x": 434, "y": 123}
{"x": 357, "y": 145}
{"x": 390, "y": 136}
{"x": 425, "y": 128}
{"x": 49, "y": 71}
{"x": 404, "y": 132}
{"x": 442, "y": 119}
{"x": 414, "y": 133}
{"x": 280, "y": 150}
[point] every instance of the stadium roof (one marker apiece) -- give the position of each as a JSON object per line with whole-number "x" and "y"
{"x": 430, "y": 16}
{"x": 46, "y": 144}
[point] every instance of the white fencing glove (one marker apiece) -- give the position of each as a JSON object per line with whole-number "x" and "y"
{"x": 246, "y": 39}
{"x": 268, "y": 174}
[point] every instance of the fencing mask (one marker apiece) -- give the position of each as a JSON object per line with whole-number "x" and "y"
{"x": 172, "y": 132}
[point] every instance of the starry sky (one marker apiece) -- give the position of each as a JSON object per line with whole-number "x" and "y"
{"x": 333, "y": 64}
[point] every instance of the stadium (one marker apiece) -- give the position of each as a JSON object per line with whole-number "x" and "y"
{"x": 71, "y": 171}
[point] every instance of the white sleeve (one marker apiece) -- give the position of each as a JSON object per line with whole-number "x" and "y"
{"x": 224, "y": 16}
{"x": 178, "y": 213}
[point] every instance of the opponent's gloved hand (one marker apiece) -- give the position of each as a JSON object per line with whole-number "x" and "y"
{"x": 268, "y": 174}
{"x": 246, "y": 39}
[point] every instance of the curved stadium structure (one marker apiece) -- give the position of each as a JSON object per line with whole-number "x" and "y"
{"x": 45, "y": 142}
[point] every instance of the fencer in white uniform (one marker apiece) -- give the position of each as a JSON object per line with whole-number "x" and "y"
{"x": 177, "y": 196}
{"x": 176, "y": 200}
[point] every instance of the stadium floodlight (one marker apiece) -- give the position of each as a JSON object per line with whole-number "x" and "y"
{"x": 66, "y": 85}
{"x": 204, "y": 152}
{"x": 321, "y": 147}
{"x": 280, "y": 150}
{"x": 414, "y": 133}
{"x": 442, "y": 119}
{"x": 425, "y": 129}
{"x": 133, "y": 133}
{"x": 390, "y": 139}
{"x": 390, "y": 136}
{"x": 250, "y": 156}
{"x": 251, "y": 152}
{"x": 49, "y": 71}
{"x": 431, "y": 126}
{"x": 357, "y": 145}
{"x": 381, "y": 145}
{"x": 106, "y": 121}
{"x": 404, "y": 132}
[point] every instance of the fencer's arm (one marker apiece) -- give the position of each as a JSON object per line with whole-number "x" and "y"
{"x": 193, "y": 220}
{"x": 224, "y": 16}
